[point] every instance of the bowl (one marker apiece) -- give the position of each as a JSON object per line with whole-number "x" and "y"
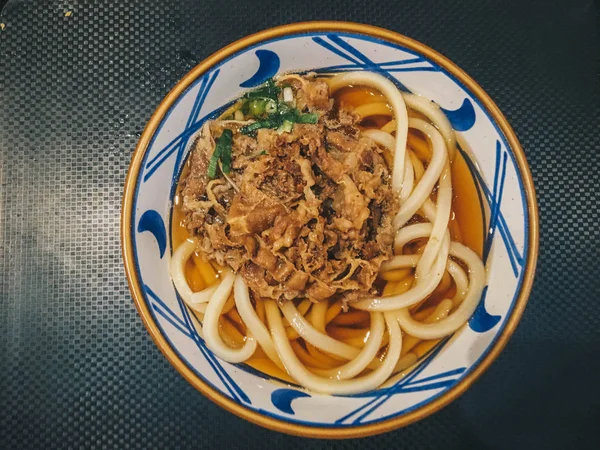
{"x": 488, "y": 145}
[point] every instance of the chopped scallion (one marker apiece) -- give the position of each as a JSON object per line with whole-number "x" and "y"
{"x": 253, "y": 127}
{"x": 256, "y": 108}
{"x": 307, "y": 118}
{"x": 285, "y": 127}
{"x": 271, "y": 107}
{"x": 288, "y": 94}
{"x": 267, "y": 90}
{"x": 272, "y": 111}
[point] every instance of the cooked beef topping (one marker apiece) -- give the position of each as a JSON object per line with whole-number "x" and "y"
{"x": 305, "y": 211}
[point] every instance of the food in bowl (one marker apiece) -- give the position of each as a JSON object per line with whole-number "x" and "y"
{"x": 320, "y": 234}
{"x": 493, "y": 213}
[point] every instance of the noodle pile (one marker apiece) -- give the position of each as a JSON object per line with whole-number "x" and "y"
{"x": 354, "y": 360}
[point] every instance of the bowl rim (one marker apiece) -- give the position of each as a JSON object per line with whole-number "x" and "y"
{"x": 278, "y": 424}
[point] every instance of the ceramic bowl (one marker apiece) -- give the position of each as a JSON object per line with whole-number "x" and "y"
{"x": 495, "y": 160}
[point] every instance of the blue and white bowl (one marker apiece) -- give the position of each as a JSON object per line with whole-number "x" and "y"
{"x": 496, "y": 161}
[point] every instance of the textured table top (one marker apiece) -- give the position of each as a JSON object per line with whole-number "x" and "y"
{"x": 78, "y": 81}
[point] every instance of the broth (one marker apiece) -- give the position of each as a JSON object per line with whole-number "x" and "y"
{"x": 466, "y": 226}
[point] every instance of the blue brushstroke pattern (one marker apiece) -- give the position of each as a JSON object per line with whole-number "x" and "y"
{"x": 152, "y": 221}
{"x": 186, "y": 327}
{"x": 343, "y": 49}
{"x": 160, "y": 154}
{"x": 172, "y": 146}
{"x": 268, "y": 66}
{"x": 404, "y": 385}
{"x": 463, "y": 118}
{"x": 282, "y": 399}
{"x": 193, "y": 117}
{"x": 340, "y": 67}
{"x": 515, "y": 258}
{"x": 499, "y": 177}
{"x": 438, "y": 376}
{"x": 165, "y": 312}
{"x": 237, "y": 393}
{"x": 388, "y": 66}
{"x": 180, "y": 142}
{"x": 482, "y": 321}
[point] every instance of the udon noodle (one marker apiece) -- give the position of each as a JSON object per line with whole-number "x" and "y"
{"x": 426, "y": 289}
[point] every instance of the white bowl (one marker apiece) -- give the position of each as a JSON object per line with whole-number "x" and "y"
{"x": 497, "y": 162}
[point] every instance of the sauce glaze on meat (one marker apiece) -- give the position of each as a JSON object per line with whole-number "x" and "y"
{"x": 302, "y": 214}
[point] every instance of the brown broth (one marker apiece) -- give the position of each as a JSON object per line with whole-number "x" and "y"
{"x": 358, "y": 95}
{"x": 466, "y": 226}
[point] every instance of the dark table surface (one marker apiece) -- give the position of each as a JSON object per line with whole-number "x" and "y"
{"x": 78, "y": 369}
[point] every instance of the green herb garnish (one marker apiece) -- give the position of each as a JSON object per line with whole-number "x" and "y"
{"x": 307, "y": 118}
{"x": 256, "y": 107}
{"x": 222, "y": 152}
{"x": 267, "y": 90}
{"x": 285, "y": 127}
{"x": 253, "y": 127}
{"x": 263, "y": 104}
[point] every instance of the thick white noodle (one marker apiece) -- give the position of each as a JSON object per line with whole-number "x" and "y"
{"x": 441, "y": 311}
{"x": 428, "y": 210}
{"x": 177, "y": 269}
{"x": 303, "y": 376}
{"x": 433, "y": 112}
{"x": 210, "y": 325}
{"x": 203, "y": 296}
{"x": 400, "y": 371}
{"x": 417, "y": 164}
{"x": 423, "y": 287}
{"x": 440, "y": 224}
{"x": 364, "y": 358}
{"x": 418, "y": 231}
{"x": 444, "y": 199}
{"x": 423, "y": 189}
{"x": 317, "y": 315}
{"x": 460, "y": 279}
{"x": 400, "y": 262}
{"x": 392, "y": 94}
{"x": 252, "y": 321}
{"x": 382, "y": 138}
{"x": 443, "y": 203}
{"x": 410, "y": 233}
{"x": 409, "y": 179}
{"x": 456, "y": 272}
{"x": 314, "y": 337}
{"x": 195, "y": 300}
{"x": 466, "y": 309}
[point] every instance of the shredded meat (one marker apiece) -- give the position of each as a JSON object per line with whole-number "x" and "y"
{"x": 304, "y": 214}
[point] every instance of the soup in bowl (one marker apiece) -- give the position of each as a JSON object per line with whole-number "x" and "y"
{"x": 329, "y": 229}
